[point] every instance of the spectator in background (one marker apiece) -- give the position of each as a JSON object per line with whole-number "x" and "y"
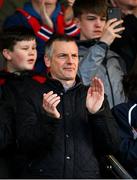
{"x": 126, "y": 116}
{"x": 45, "y": 17}
{"x": 126, "y": 6}
{"x": 58, "y": 121}
{"x": 96, "y": 59}
{"x": 126, "y": 46}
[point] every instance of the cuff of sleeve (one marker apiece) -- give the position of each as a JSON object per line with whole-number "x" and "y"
{"x": 71, "y": 29}
{"x": 45, "y": 32}
{"x": 70, "y": 23}
{"x": 50, "y": 120}
{"x": 103, "y": 45}
{"x": 99, "y": 111}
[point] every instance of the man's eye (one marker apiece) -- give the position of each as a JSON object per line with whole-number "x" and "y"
{"x": 62, "y": 56}
{"x": 74, "y": 56}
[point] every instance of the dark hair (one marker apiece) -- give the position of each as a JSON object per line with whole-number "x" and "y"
{"x": 130, "y": 82}
{"x": 56, "y": 37}
{"x": 10, "y": 36}
{"x": 98, "y": 7}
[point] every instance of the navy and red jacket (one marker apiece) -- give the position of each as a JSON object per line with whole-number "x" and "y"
{"x": 29, "y": 18}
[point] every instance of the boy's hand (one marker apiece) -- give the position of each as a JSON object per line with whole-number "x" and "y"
{"x": 111, "y": 31}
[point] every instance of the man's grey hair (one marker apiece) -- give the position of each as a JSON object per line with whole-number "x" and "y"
{"x": 49, "y": 49}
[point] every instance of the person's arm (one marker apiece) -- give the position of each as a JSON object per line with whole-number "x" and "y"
{"x": 71, "y": 28}
{"x": 68, "y": 14}
{"x": 24, "y": 19}
{"x": 91, "y": 60}
{"x": 45, "y": 16}
{"x": 105, "y": 130}
{"x": 103, "y": 124}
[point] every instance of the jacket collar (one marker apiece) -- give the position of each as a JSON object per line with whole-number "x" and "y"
{"x": 29, "y": 8}
{"x": 58, "y": 85}
{"x": 5, "y": 74}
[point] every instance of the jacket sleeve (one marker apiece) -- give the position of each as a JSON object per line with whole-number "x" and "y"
{"x": 71, "y": 29}
{"x": 7, "y": 128}
{"x": 35, "y": 130}
{"x": 94, "y": 56}
{"x": 128, "y": 146}
{"x": 105, "y": 130}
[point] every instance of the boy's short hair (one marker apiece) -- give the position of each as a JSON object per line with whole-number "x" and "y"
{"x": 10, "y": 36}
{"x": 98, "y": 7}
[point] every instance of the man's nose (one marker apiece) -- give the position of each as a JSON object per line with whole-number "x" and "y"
{"x": 70, "y": 59}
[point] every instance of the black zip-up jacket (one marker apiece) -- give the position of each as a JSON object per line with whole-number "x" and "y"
{"x": 65, "y": 147}
{"x": 12, "y": 85}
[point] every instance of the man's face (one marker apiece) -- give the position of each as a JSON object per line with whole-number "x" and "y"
{"x": 132, "y": 3}
{"x": 127, "y": 6}
{"x": 23, "y": 56}
{"x": 91, "y": 26}
{"x": 64, "y": 61}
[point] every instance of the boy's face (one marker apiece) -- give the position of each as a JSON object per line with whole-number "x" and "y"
{"x": 91, "y": 26}
{"x": 22, "y": 57}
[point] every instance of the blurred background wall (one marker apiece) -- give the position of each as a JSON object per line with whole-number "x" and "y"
{"x": 7, "y": 7}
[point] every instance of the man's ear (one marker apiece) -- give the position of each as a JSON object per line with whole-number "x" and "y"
{"x": 47, "y": 61}
{"x": 7, "y": 54}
